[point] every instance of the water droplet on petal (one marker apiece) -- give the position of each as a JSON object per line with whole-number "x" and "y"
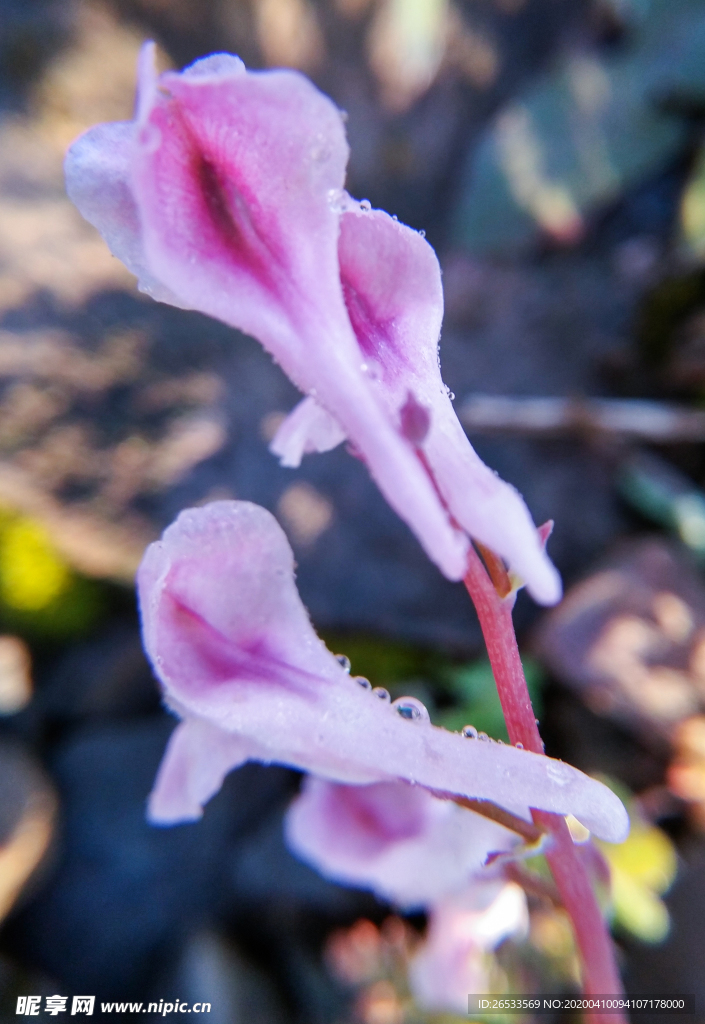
{"x": 412, "y": 709}
{"x": 519, "y": 746}
{"x": 372, "y": 369}
{"x": 364, "y": 683}
{"x": 379, "y": 691}
{"x": 560, "y": 773}
{"x": 469, "y": 732}
{"x": 501, "y": 742}
{"x": 337, "y": 200}
{"x": 343, "y": 661}
{"x": 483, "y": 736}
{"x": 365, "y": 204}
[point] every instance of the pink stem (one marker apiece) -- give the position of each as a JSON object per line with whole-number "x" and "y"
{"x": 600, "y": 975}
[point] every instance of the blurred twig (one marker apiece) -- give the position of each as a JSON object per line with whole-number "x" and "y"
{"x": 549, "y": 417}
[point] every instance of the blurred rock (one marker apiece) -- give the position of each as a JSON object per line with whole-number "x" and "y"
{"x": 125, "y": 895}
{"x": 15, "y": 675}
{"x": 686, "y": 773}
{"x": 31, "y": 35}
{"x": 630, "y": 639}
{"x": 105, "y": 677}
{"x": 27, "y": 819}
{"x": 584, "y": 132}
{"x": 210, "y": 969}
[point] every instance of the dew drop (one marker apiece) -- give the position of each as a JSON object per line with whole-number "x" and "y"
{"x": 422, "y": 233}
{"x": 343, "y": 661}
{"x": 560, "y": 773}
{"x": 365, "y": 204}
{"x": 336, "y": 200}
{"x": 364, "y": 683}
{"x": 469, "y": 732}
{"x": 519, "y": 746}
{"x": 379, "y": 691}
{"x": 411, "y": 709}
{"x": 501, "y": 742}
{"x": 483, "y": 736}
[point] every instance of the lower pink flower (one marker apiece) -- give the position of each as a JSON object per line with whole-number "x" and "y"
{"x": 409, "y": 847}
{"x": 453, "y": 962}
{"x": 241, "y": 665}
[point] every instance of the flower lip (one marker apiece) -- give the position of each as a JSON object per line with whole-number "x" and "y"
{"x": 230, "y": 565}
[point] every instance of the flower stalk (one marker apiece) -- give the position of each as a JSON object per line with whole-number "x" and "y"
{"x": 599, "y": 969}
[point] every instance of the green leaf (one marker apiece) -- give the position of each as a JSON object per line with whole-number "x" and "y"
{"x": 474, "y": 693}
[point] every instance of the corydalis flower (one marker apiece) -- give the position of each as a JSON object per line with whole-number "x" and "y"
{"x": 225, "y": 194}
{"x": 400, "y": 841}
{"x": 240, "y": 663}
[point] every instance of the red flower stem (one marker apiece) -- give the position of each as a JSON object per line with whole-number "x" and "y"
{"x": 599, "y": 970}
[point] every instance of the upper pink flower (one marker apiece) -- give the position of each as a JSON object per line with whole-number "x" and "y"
{"x": 240, "y": 663}
{"x": 225, "y": 194}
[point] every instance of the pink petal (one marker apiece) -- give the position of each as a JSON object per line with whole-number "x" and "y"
{"x": 247, "y": 232}
{"x": 392, "y": 287}
{"x": 308, "y": 428}
{"x": 97, "y": 171}
{"x": 186, "y": 780}
{"x": 226, "y": 195}
{"x": 230, "y": 640}
{"x": 452, "y": 962}
{"x": 396, "y": 839}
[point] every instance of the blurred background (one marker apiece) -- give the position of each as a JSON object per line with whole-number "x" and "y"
{"x": 554, "y": 153}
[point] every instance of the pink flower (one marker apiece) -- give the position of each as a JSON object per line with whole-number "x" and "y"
{"x": 240, "y": 663}
{"x": 400, "y": 841}
{"x": 453, "y": 961}
{"x": 225, "y": 194}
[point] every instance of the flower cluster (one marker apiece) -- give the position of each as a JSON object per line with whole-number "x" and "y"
{"x": 226, "y": 195}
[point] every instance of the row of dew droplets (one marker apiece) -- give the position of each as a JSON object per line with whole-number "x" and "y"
{"x": 471, "y": 733}
{"x": 344, "y": 663}
{"x": 410, "y": 708}
{"x": 413, "y": 710}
